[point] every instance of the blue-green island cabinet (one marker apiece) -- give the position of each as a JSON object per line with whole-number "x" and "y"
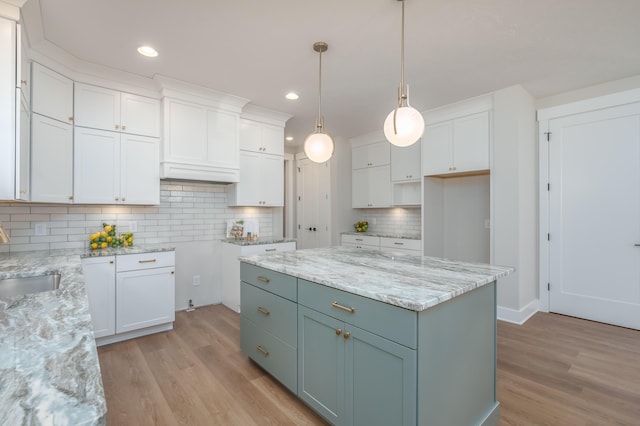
{"x": 364, "y": 362}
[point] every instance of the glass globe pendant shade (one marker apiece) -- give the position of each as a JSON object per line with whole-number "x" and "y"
{"x": 409, "y": 126}
{"x": 318, "y": 147}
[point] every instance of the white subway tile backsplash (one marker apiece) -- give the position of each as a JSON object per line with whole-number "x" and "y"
{"x": 200, "y": 214}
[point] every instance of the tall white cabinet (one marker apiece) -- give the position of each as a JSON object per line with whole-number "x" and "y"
{"x": 116, "y": 147}
{"x": 261, "y": 145}
{"x": 51, "y": 136}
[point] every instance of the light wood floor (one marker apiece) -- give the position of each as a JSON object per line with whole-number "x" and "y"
{"x": 554, "y": 370}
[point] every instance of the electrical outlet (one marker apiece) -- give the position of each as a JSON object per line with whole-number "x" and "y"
{"x": 196, "y": 280}
{"x": 133, "y": 226}
{"x": 41, "y": 229}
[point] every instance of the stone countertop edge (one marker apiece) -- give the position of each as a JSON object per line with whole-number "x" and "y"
{"x": 260, "y": 241}
{"x": 412, "y": 282}
{"x": 379, "y": 234}
{"x": 49, "y": 367}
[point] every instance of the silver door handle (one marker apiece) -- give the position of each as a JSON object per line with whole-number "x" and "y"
{"x": 637, "y": 245}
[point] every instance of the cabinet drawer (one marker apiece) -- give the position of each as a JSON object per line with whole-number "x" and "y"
{"x": 267, "y": 248}
{"x": 392, "y": 322}
{"x": 130, "y": 262}
{"x": 400, "y": 243}
{"x": 361, "y": 240}
{"x": 275, "y": 356}
{"x": 274, "y": 282}
{"x": 269, "y": 312}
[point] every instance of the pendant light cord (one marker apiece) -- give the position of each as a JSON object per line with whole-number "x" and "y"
{"x": 402, "y": 52}
{"x": 319, "y": 123}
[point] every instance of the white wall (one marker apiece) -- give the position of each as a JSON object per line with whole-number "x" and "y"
{"x": 191, "y": 217}
{"x": 400, "y": 221}
{"x": 514, "y": 210}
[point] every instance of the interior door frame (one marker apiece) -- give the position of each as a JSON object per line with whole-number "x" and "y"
{"x": 544, "y": 117}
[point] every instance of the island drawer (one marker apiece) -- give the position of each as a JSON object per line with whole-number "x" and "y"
{"x": 134, "y": 262}
{"x": 400, "y": 244}
{"x": 271, "y": 281}
{"x": 272, "y": 354}
{"x": 391, "y": 322}
{"x": 361, "y": 240}
{"x": 269, "y": 312}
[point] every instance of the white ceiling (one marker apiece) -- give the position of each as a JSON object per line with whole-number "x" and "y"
{"x": 262, "y": 49}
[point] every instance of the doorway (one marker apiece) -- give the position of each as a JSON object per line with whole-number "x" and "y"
{"x": 593, "y": 195}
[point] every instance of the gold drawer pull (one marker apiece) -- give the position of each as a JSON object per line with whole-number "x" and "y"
{"x": 270, "y": 249}
{"x": 399, "y": 244}
{"x": 264, "y": 279}
{"x": 338, "y": 331}
{"x": 263, "y": 311}
{"x": 346, "y": 335}
{"x": 344, "y": 308}
{"x": 147, "y": 261}
{"x": 261, "y": 349}
{"x": 358, "y": 239}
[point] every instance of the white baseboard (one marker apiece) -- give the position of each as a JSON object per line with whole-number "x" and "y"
{"x": 518, "y": 316}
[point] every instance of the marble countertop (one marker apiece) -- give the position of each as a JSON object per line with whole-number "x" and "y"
{"x": 412, "y": 282}
{"x": 267, "y": 240}
{"x": 384, "y": 235}
{"x": 49, "y": 368}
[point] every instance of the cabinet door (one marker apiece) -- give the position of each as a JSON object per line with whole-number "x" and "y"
{"x": 222, "y": 139}
{"x": 144, "y": 298}
{"x": 139, "y": 115}
{"x": 436, "y": 149}
{"x": 373, "y": 155}
{"x": 52, "y": 94}
{"x": 321, "y": 364}
{"x": 96, "y": 107}
{"x": 100, "y": 281}
{"x": 23, "y": 149}
{"x": 471, "y": 143}
{"x": 51, "y": 160}
{"x": 139, "y": 169}
{"x": 96, "y": 166}
{"x": 380, "y": 186}
{"x": 272, "y": 139}
{"x": 185, "y": 138}
{"x": 272, "y": 174}
{"x": 360, "y": 188}
{"x": 380, "y": 380}
{"x": 405, "y": 163}
{"x": 249, "y": 135}
{"x": 247, "y": 192}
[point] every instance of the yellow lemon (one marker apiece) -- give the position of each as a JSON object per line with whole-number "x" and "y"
{"x": 103, "y": 234}
{"x": 109, "y": 239}
{"x": 94, "y": 245}
{"x": 108, "y": 228}
{"x": 104, "y": 245}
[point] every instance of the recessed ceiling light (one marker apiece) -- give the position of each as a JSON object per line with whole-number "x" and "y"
{"x": 148, "y": 51}
{"x": 292, "y": 96}
{"x": 289, "y": 138}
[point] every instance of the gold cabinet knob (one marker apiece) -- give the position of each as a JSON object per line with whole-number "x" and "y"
{"x": 338, "y": 331}
{"x": 23, "y": 82}
{"x": 117, "y": 126}
{"x": 124, "y": 127}
{"x": 123, "y": 199}
{"x": 117, "y": 199}
{"x": 71, "y": 118}
{"x": 346, "y": 335}
{"x": 70, "y": 197}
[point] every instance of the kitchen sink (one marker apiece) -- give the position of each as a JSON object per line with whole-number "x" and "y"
{"x": 12, "y": 287}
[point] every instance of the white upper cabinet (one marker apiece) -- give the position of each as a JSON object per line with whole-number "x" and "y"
{"x": 261, "y": 137}
{"x": 51, "y": 160}
{"x": 106, "y": 109}
{"x": 457, "y": 139}
{"x": 372, "y": 155}
{"x": 52, "y": 94}
{"x": 112, "y": 168}
{"x": 405, "y": 163}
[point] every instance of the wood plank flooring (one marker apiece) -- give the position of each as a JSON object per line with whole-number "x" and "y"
{"x": 554, "y": 370}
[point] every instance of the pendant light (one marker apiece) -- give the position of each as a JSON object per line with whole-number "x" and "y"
{"x": 404, "y": 125}
{"x": 318, "y": 146}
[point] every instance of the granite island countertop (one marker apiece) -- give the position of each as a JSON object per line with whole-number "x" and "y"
{"x": 412, "y": 282}
{"x": 259, "y": 241}
{"x": 49, "y": 368}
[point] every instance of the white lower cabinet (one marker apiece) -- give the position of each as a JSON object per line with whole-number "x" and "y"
{"x": 100, "y": 279}
{"x": 131, "y": 298}
{"x": 231, "y": 267}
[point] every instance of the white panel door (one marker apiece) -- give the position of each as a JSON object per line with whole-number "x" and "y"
{"x": 140, "y": 115}
{"x": 100, "y": 278}
{"x": 52, "y": 94}
{"x": 222, "y": 139}
{"x": 307, "y": 204}
{"x": 594, "y": 220}
{"x": 96, "y": 107}
{"x": 471, "y": 143}
{"x": 272, "y": 180}
{"x": 436, "y": 149}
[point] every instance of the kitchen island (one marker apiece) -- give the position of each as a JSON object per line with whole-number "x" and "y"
{"x": 367, "y": 337}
